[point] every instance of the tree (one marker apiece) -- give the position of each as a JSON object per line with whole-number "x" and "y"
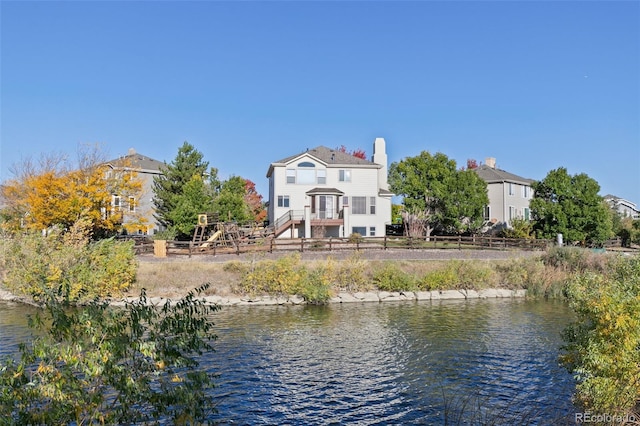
{"x": 230, "y": 203}
{"x": 99, "y": 365}
{"x": 254, "y": 201}
{"x": 571, "y": 206}
{"x": 55, "y": 192}
{"x": 176, "y": 208}
{"x": 195, "y": 199}
{"x": 437, "y": 194}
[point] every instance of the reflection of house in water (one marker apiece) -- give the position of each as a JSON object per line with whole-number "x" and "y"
{"x": 509, "y": 194}
{"x": 324, "y": 192}
{"x": 142, "y": 206}
{"x": 625, "y": 208}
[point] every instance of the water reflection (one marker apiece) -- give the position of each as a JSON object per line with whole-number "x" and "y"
{"x": 388, "y": 363}
{"x": 392, "y": 362}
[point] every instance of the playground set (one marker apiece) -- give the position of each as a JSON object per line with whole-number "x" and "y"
{"x": 211, "y": 232}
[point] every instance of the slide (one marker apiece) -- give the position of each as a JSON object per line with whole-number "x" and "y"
{"x": 214, "y": 237}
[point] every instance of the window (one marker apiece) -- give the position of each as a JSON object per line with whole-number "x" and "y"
{"x": 345, "y": 201}
{"x": 526, "y": 191}
{"x": 487, "y": 213}
{"x": 132, "y": 204}
{"x": 116, "y": 203}
{"x": 291, "y": 175}
{"x": 372, "y": 231}
{"x": 344, "y": 175}
{"x": 283, "y": 201}
{"x": 512, "y": 212}
{"x": 527, "y": 213}
{"x": 359, "y": 205}
{"x": 306, "y": 177}
{"x": 361, "y": 230}
{"x": 372, "y": 205}
{"x": 512, "y": 190}
{"x": 322, "y": 177}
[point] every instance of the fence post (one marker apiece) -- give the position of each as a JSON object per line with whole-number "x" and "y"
{"x": 384, "y": 245}
{"x": 190, "y": 248}
{"x": 459, "y": 238}
{"x": 330, "y": 238}
{"x": 301, "y": 245}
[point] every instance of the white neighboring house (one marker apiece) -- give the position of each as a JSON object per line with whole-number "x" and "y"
{"x": 323, "y": 192}
{"x": 509, "y": 195}
{"x": 625, "y": 208}
{"x": 146, "y": 168}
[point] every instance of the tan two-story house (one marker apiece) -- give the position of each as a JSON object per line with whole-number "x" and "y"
{"x": 509, "y": 195}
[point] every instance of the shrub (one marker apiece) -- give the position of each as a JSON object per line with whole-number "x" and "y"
{"x": 351, "y": 274}
{"x": 602, "y": 344}
{"x": 439, "y": 279}
{"x": 473, "y": 274}
{"x": 100, "y": 365}
{"x": 282, "y": 276}
{"x": 391, "y": 278}
{"x": 83, "y": 269}
{"x": 315, "y": 288}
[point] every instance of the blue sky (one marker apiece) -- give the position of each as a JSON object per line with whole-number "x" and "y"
{"x": 538, "y": 85}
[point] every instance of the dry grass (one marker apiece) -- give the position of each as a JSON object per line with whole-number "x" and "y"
{"x": 175, "y": 279}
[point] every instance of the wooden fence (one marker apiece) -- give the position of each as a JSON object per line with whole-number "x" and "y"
{"x": 166, "y": 248}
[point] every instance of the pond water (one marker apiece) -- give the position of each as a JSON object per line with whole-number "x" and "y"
{"x": 456, "y": 362}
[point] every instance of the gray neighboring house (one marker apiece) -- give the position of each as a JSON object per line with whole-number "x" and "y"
{"x": 509, "y": 195}
{"x": 625, "y": 208}
{"x": 146, "y": 168}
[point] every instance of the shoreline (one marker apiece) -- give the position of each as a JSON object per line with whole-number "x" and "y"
{"x": 345, "y": 297}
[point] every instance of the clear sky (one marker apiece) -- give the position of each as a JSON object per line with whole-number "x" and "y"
{"x": 536, "y": 84}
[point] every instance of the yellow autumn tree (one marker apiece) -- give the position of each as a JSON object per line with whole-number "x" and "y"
{"x": 56, "y": 193}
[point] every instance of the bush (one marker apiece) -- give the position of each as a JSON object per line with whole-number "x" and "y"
{"x": 82, "y": 269}
{"x": 315, "y": 288}
{"x": 602, "y": 344}
{"x": 351, "y": 274}
{"x": 439, "y": 279}
{"x": 100, "y": 365}
{"x": 392, "y": 278}
{"x": 281, "y": 277}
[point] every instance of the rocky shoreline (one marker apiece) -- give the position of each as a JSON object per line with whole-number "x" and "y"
{"x": 344, "y": 297}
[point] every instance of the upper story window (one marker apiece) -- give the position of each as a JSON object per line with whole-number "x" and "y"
{"x": 512, "y": 190}
{"x": 344, "y": 175}
{"x": 283, "y": 201}
{"x": 526, "y": 191}
{"x": 115, "y": 203}
{"x": 322, "y": 177}
{"x": 306, "y": 173}
{"x": 291, "y": 175}
{"x": 132, "y": 204}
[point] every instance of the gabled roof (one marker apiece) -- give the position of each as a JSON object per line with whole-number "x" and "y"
{"x": 134, "y": 160}
{"x": 327, "y": 156}
{"x": 494, "y": 175}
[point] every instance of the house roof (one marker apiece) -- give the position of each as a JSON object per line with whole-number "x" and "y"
{"x": 324, "y": 191}
{"x": 328, "y": 156}
{"x": 135, "y": 160}
{"x": 495, "y": 175}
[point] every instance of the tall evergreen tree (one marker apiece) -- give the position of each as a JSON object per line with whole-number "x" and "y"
{"x": 177, "y": 197}
{"x": 570, "y": 205}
